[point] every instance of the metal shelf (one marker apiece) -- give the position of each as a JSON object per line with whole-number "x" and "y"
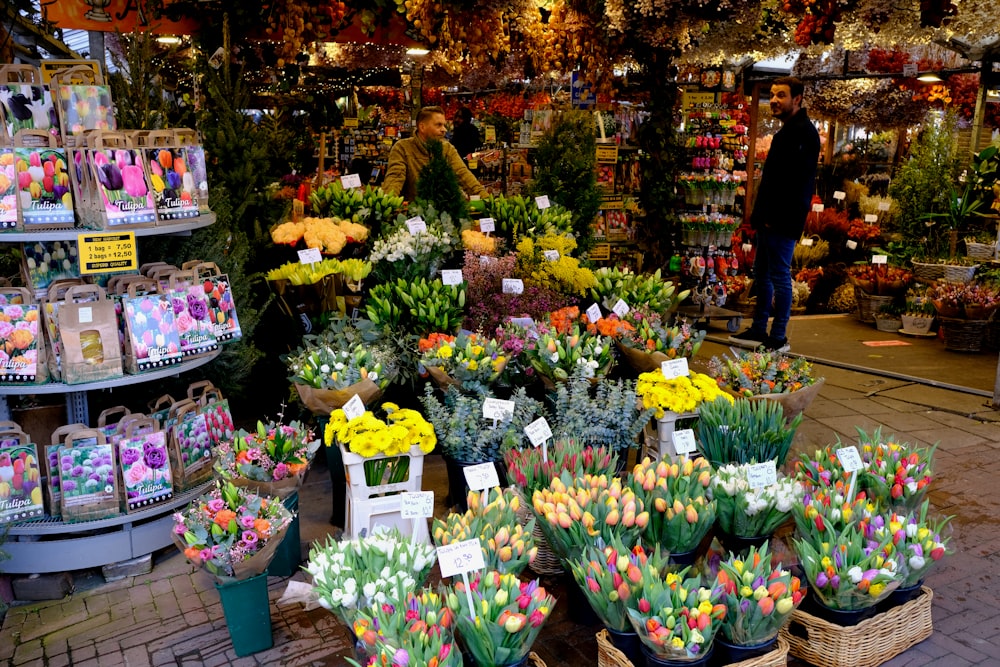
{"x": 70, "y": 233}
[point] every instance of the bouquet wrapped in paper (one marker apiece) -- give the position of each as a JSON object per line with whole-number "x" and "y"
{"x": 271, "y": 460}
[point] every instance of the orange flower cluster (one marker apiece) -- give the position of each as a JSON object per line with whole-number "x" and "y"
{"x": 433, "y": 341}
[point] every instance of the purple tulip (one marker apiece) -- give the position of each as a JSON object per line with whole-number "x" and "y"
{"x": 129, "y": 456}
{"x": 822, "y": 580}
{"x": 173, "y": 180}
{"x": 110, "y": 176}
{"x": 155, "y": 458}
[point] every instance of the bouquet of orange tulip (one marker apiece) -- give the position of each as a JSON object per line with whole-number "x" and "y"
{"x": 680, "y": 513}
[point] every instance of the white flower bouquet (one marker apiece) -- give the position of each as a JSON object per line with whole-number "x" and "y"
{"x": 747, "y": 512}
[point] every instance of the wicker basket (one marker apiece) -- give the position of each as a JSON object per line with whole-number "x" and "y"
{"x": 535, "y": 661}
{"x": 980, "y": 250}
{"x": 869, "y": 304}
{"x": 959, "y": 274}
{"x": 963, "y": 335}
{"x": 609, "y": 656}
{"x": 546, "y": 562}
{"x": 866, "y": 644}
{"x": 926, "y": 272}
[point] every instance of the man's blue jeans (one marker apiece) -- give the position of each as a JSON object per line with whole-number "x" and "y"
{"x": 773, "y": 280}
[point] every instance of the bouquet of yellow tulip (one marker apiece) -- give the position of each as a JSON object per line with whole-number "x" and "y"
{"x": 681, "y": 394}
{"x": 675, "y": 494}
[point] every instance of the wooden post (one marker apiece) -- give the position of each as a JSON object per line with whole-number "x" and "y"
{"x": 322, "y": 159}
{"x": 985, "y": 70}
{"x": 751, "y": 152}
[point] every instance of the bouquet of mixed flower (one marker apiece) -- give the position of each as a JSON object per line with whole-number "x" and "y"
{"x": 918, "y": 541}
{"x": 748, "y": 512}
{"x": 681, "y": 394}
{"x": 829, "y": 509}
{"x": 676, "y": 618}
{"x": 231, "y": 532}
{"x": 272, "y": 460}
{"x": 649, "y": 333}
{"x": 680, "y": 514}
{"x": 468, "y": 359}
{"x": 507, "y": 545}
{"x": 822, "y": 470}
{"x": 420, "y": 630}
{"x": 556, "y": 355}
{"x": 759, "y": 598}
{"x": 325, "y": 367}
{"x": 611, "y": 576}
{"x": 400, "y": 253}
{"x": 505, "y": 619}
{"x": 530, "y": 473}
{"x": 896, "y": 473}
{"x": 513, "y": 342}
{"x": 752, "y": 373}
{"x": 382, "y": 568}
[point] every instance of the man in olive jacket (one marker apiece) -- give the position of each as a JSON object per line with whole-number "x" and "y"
{"x": 409, "y": 156}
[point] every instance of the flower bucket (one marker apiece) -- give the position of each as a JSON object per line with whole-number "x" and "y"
{"x": 916, "y": 325}
{"x": 248, "y": 614}
{"x": 458, "y": 490}
{"x": 288, "y": 557}
{"x": 733, "y": 653}
{"x": 739, "y": 544}
{"x": 627, "y": 643}
{"x": 652, "y": 660}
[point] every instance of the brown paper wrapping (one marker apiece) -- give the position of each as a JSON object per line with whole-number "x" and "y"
{"x": 441, "y": 379}
{"x": 251, "y": 567}
{"x": 324, "y": 401}
{"x": 643, "y": 362}
{"x": 279, "y": 489}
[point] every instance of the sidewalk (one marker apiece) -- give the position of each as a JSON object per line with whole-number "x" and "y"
{"x": 172, "y": 616}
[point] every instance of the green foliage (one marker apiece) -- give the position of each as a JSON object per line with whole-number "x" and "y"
{"x": 565, "y": 170}
{"x": 744, "y": 431}
{"x": 140, "y": 103}
{"x": 605, "y": 414}
{"x": 438, "y": 185}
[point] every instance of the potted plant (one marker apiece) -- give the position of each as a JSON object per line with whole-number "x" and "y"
{"x": 888, "y": 318}
{"x": 556, "y": 355}
{"x": 745, "y": 431}
{"x": 673, "y": 400}
{"x": 896, "y": 474}
{"x": 918, "y": 317}
{"x": 270, "y": 461}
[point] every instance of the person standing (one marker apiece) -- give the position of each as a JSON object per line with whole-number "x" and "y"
{"x": 779, "y": 213}
{"x": 465, "y": 137}
{"x": 409, "y": 156}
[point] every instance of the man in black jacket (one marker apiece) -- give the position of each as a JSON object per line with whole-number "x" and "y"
{"x": 779, "y": 214}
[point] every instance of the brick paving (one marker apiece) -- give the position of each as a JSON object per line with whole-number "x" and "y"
{"x": 172, "y": 616}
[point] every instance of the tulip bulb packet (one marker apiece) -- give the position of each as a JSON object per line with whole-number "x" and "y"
{"x": 174, "y": 186}
{"x": 84, "y": 107}
{"x": 20, "y": 484}
{"x": 88, "y": 483}
{"x": 191, "y": 450}
{"x": 124, "y": 194}
{"x": 27, "y": 106}
{"x": 152, "y": 341}
{"x": 43, "y": 187}
{"x": 145, "y": 470}
{"x": 192, "y": 314}
{"x": 19, "y": 343}
{"x": 45, "y": 262}
{"x": 8, "y": 189}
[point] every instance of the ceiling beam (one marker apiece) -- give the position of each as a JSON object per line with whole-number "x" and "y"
{"x": 21, "y": 24}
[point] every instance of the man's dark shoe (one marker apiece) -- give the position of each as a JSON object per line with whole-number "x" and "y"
{"x": 750, "y": 338}
{"x": 777, "y": 344}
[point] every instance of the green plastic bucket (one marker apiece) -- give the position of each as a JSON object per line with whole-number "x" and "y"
{"x": 248, "y": 614}
{"x": 288, "y": 557}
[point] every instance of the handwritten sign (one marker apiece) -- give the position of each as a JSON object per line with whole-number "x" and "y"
{"x": 880, "y": 259}
{"x": 416, "y": 504}
{"x": 487, "y": 225}
{"x": 354, "y": 408}
{"x": 481, "y": 476}
{"x": 840, "y": 195}
{"x": 620, "y": 308}
{"x": 763, "y": 474}
{"x": 496, "y": 408}
{"x": 551, "y": 255}
{"x": 594, "y": 312}
{"x": 349, "y": 181}
{"x": 310, "y": 256}
{"x": 850, "y": 458}
{"x": 851, "y": 245}
{"x": 513, "y": 286}
{"x": 674, "y": 368}
{"x": 542, "y": 202}
{"x": 871, "y": 217}
{"x": 460, "y": 557}
{"x": 806, "y": 242}
{"x": 684, "y": 442}
{"x": 538, "y": 431}
{"x": 884, "y": 205}
{"x": 416, "y": 225}
{"x": 909, "y": 70}
{"x": 818, "y": 208}
{"x": 451, "y": 276}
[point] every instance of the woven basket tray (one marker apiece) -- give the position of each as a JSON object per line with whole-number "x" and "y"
{"x": 959, "y": 274}
{"x": 546, "y": 562}
{"x": 866, "y": 644}
{"x": 963, "y": 335}
{"x": 869, "y": 304}
{"x": 535, "y": 661}
{"x": 980, "y": 250}
{"x": 609, "y": 656}
{"x": 926, "y": 272}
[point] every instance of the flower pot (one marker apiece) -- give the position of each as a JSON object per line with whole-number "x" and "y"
{"x": 738, "y": 544}
{"x": 628, "y": 643}
{"x": 458, "y": 490}
{"x": 288, "y": 557}
{"x": 913, "y": 324}
{"x": 682, "y": 558}
{"x": 652, "y": 660}
{"x": 842, "y": 617}
{"x": 578, "y": 607}
{"x": 901, "y": 596}
{"x": 888, "y": 324}
{"x": 796, "y": 402}
{"x": 728, "y": 653}
{"x": 248, "y": 614}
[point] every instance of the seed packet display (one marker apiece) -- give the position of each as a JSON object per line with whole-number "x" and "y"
{"x": 83, "y": 101}
{"x": 221, "y": 307}
{"x": 192, "y": 314}
{"x": 194, "y": 153}
{"x": 25, "y": 102}
{"x": 45, "y": 262}
{"x": 20, "y": 479}
{"x": 152, "y": 340}
{"x": 22, "y": 355}
{"x": 8, "y": 189}
{"x": 173, "y": 183}
{"x": 50, "y": 317}
{"x": 125, "y": 195}
{"x": 43, "y": 187}
{"x": 87, "y": 477}
{"x": 91, "y": 351}
{"x": 190, "y": 448}
{"x": 108, "y": 420}
{"x": 50, "y": 472}
{"x": 145, "y": 465}
{"x": 218, "y": 418}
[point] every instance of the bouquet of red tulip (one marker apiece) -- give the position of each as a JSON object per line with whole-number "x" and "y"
{"x": 527, "y": 469}
{"x": 896, "y": 473}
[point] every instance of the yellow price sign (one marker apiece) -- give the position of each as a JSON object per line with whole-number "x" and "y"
{"x": 350, "y": 122}
{"x": 490, "y": 133}
{"x": 607, "y": 154}
{"x": 107, "y": 252}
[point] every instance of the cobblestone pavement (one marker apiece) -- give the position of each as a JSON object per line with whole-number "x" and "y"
{"x": 172, "y": 616}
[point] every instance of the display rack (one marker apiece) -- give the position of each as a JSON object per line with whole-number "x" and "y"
{"x": 181, "y": 227}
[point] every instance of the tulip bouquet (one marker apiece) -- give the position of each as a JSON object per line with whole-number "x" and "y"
{"x": 492, "y": 517}
{"x": 829, "y": 509}
{"x": 846, "y": 570}
{"x": 681, "y": 394}
{"x": 611, "y": 576}
{"x": 273, "y": 459}
{"x": 919, "y": 542}
{"x": 383, "y": 567}
{"x": 529, "y": 472}
{"x": 505, "y": 619}
{"x": 326, "y": 367}
{"x": 420, "y": 630}
{"x": 650, "y": 334}
{"x": 231, "y": 532}
{"x": 556, "y": 355}
{"x": 747, "y": 512}
{"x": 468, "y": 359}
{"x": 677, "y": 618}
{"x": 896, "y": 473}
{"x": 680, "y": 514}
{"x": 822, "y": 470}
{"x": 759, "y": 598}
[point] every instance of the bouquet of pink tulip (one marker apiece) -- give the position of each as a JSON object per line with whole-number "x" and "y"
{"x": 677, "y": 618}
{"x": 528, "y": 471}
{"x": 680, "y": 513}
{"x": 505, "y": 619}
{"x": 507, "y": 545}
{"x": 417, "y": 631}
{"x": 611, "y": 576}
{"x": 574, "y": 512}
{"x": 759, "y": 598}
{"x": 919, "y": 542}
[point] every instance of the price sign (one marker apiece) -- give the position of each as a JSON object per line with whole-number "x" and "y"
{"x": 489, "y": 134}
{"x": 310, "y": 256}
{"x": 909, "y": 70}
{"x": 850, "y": 459}
{"x": 880, "y": 259}
{"x": 473, "y": 164}
{"x": 487, "y": 225}
{"x": 474, "y": 197}
{"x": 763, "y": 474}
{"x": 495, "y": 408}
{"x": 350, "y": 181}
{"x": 883, "y": 206}
{"x": 818, "y": 208}
{"x": 871, "y": 217}
{"x": 538, "y": 431}
{"x": 746, "y": 247}
{"x": 354, "y": 407}
{"x": 350, "y": 122}
{"x": 840, "y": 195}
{"x": 851, "y": 245}
{"x": 551, "y": 255}
{"x": 481, "y": 476}
{"x": 806, "y": 242}
{"x": 594, "y": 312}
{"x": 513, "y": 286}
{"x": 523, "y": 322}
{"x": 107, "y": 253}
{"x": 451, "y": 276}
{"x": 684, "y": 441}
{"x": 607, "y": 154}
{"x": 542, "y": 202}
{"x": 620, "y": 308}
{"x": 460, "y": 557}
{"x": 416, "y": 504}
{"x": 416, "y": 224}
{"x": 674, "y": 368}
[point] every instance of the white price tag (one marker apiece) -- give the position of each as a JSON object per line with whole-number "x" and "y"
{"x": 416, "y": 504}
{"x": 850, "y": 459}
{"x": 818, "y": 208}
{"x": 416, "y": 225}
{"x": 684, "y": 441}
{"x": 746, "y": 247}
{"x": 594, "y": 313}
{"x": 349, "y": 181}
{"x": 674, "y": 368}
{"x": 487, "y": 225}
{"x": 909, "y": 70}
{"x": 354, "y": 407}
{"x": 523, "y": 322}
{"x": 460, "y": 557}
{"x": 880, "y": 259}
{"x": 763, "y": 474}
{"x": 542, "y": 202}
{"x": 551, "y": 255}
{"x": 538, "y": 431}
{"x": 851, "y": 245}
{"x": 840, "y": 195}
{"x": 474, "y": 197}
{"x": 884, "y": 205}
{"x": 496, "y": 408}
{"x": 620, "y": 308}
{"x": 481, "y": 476}
{"x": 806, "y": 242}
{"x": 86, "y": 315}
{"x": 871, "y": 217}
{"x": 513, "y": 286}
{"x": 451, "y": 276}
{"x": 310, "y": 256}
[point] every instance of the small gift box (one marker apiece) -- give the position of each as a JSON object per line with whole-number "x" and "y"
{"x": 45, "y": 262}
{"x": 173, "y": 183}
{"x": 8, "y": 189}
{"x": 88, "y": 327}
{"x": 25, "y": 102}
{"x": 218, "y": 418}
{"x": 53, "y": 496}
{"x": 194, "y": 153}
{"x": 120, "y": 191}
{"x": 83, "y": 101}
